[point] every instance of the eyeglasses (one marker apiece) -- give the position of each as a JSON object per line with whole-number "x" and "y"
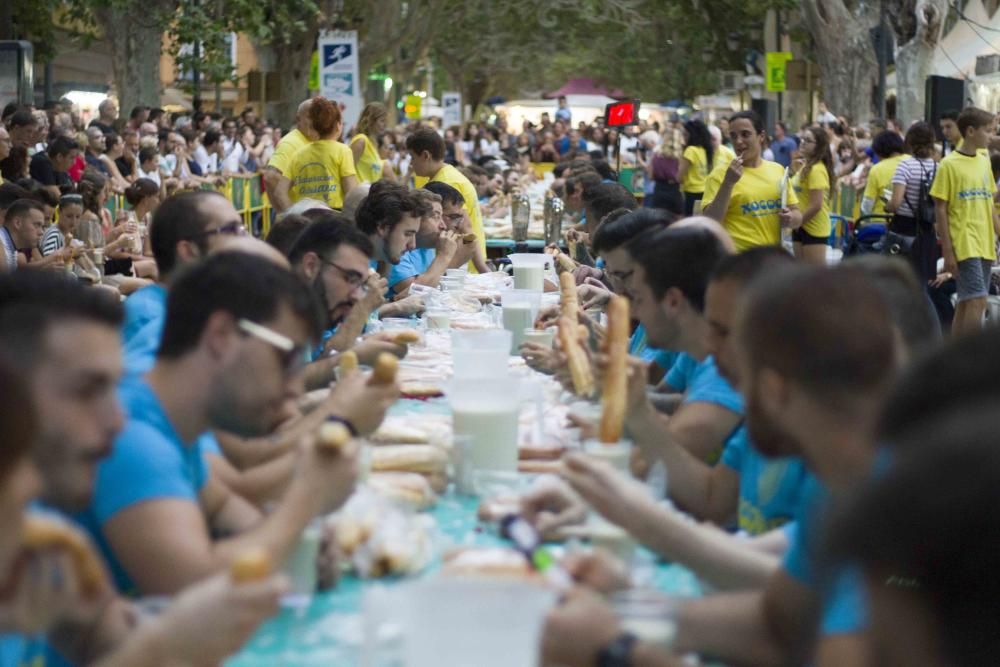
{"x": 293, "y": 357}
{"x": 453, "y": 217}
{"x": 234, "y": 228}
{"x": 351, "y": 277}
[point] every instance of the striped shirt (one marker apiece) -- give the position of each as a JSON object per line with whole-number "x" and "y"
{"x": 910, "y": 172}
{"x": 52, "y": 241}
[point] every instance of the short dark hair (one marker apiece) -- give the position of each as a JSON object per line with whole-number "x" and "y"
{"x": 385, "y": 206}
{"x": 886, "y": 144}
{"x": 18, "y": 420}
{"x": 909, "y": 308}
{"x": 10, "y": 193}
{"x": 603, "y": 169}
{"x": 211, "y": 137}
{"x": 681, "y": 257}
{"x": 284, "y": 232}
{"x": 448, "y": 194}
{"x": 924, "y": 528}
{"x": 22, "y": 118}
{"x": 178, "y": 218}
{"x": 138, "y": 111}
{"x": 606, "y": 197}
{"x": 752, "y": 116}
{"x": 950, "y": 114}
{"x": 21, "y": 207}
{"x": 616, "y": 232}
{"x": 815, "y": 342}
{"x": 323, "y": 237}
{"x": 583, "y": 179}
{"x": 147, "y": 153}
{"x": 746, "y": 266}
{"x": 973, "y": 117}
{"x": 62, "y": 145}
{"x": 426, "y": 139}
{"x": 244, "y": 285}
{"x": 33, "y": 301}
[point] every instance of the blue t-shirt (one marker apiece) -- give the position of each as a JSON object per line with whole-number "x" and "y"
{"x": 770, "y": 489}
{"x": 149, "y": 462}
{"x": 22, "y": 651}
{"x": 144, "y": 306}
{"x": 844, "y": 602}
{"x": 783, "y": 150}
{"x": 411, "y": 265}
{"x": 638, "y": 346}
{"x": 700, "y": 381}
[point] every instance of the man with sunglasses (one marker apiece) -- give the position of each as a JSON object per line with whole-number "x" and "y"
{"x": 186, "y": 227}
{"x": 237, "y": 331}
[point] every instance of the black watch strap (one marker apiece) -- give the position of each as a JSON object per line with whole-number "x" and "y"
{"x": 619, "y": 652}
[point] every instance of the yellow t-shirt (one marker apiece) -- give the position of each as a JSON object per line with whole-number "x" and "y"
{"x": 880, "y": 178}
{"x": 752, "y": 216}
{"x": 966, "y": 183}
{"x": 694, "y": 177}
{"x": 453, "y": 177}
{"x": 723, "y": 155}
{"x": 370, "y": 166}
{"x": 818, "y": 179}
{"x": 317, "y": 172}
{"x": 289, "y": 145}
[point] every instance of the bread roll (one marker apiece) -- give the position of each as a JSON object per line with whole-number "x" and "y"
{"x": 409, "y": 458}
{"x": 348, "y": 361}
{"x": 468, "y": 238}
{"x": 409, "y": 488}
{"x": 615, "y": 390}
{"x": 42, "y": 532}
{"x": 386, "y": 366}
{"x": 576, "y": 358}
{"x": 406, "y": 337}
{"x": 398, "y": 434}
{"x": 252, "y": 565}
{"x": 539, "y": 467}
{"x": 570, "y": 306}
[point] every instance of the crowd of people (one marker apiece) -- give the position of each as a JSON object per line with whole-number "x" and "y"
{"x": 832, "y": 448}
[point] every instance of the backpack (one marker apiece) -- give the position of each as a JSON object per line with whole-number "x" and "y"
{"x": 923, "y": 211}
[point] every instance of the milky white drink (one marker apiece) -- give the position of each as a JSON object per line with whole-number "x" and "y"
{"x": 542, "y": 337}
{"x": 516, "y": 318}
{"x": 530, "y": 277}
{"x": 438, "y": 319}
{"x": 493, "y": 430}
{"x": 301, "y": 564}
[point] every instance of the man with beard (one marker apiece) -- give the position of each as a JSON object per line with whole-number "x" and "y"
{"x": 62, "y": 338}
{"x": 814, "y": 389}
{"x": 332, "y": 256}
{"x": 233, "y": 348}
{"x": 764, "y": 494}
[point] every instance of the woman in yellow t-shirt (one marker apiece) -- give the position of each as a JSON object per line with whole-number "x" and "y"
{"x": 813, "y": 188}
{"x": 694, "y": 165}
{"x": 364, "y": 145}
{"x": 324, "y": 169}
{"x": 745, "y": 195}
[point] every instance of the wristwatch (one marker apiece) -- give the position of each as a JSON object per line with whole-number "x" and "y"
{"x": 619, "y": 652}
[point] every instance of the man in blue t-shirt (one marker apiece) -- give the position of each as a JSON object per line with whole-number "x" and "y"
{"x": 814, "y": 390}
{"x": 233, "y": 348}
{"x": 783, "y": 145}
{"x": 437, "y": 243}
{"x": 68, "y": 351}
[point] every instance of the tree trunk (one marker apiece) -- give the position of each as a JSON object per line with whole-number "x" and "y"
{"x": 134, "y": 31}
{"x": 914, "y": 61}
{"x": 292, "y": 63}
{"x": 845, "y": 54}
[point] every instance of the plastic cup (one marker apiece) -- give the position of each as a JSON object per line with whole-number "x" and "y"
{"x": 438, "y": 319}
{"x": 543, "y": 337}
{"x": 529, "y": 270}
{"x": 301, "y": 564}
{"x": 520, "y": 308}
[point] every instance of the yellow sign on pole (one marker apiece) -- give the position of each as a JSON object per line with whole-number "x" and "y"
{"x": 314, "y": 72}
{"x": 776, "y": 70}
{"x": 413, "y": 106}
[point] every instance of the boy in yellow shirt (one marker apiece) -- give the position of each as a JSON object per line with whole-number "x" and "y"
{"x": 965, "y": 218}
{"x": 745, "y": 195}
{"x": 427, "y": 150}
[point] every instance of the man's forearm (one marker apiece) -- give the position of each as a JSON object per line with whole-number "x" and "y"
{"x": 729, "y": 627}
{"x": 145, "y": 647}
{"x": 723, "y": 560}
{"x": 280, "y": 199}
{"x": 432, "y": 276}
{"x": 349, "y": 330}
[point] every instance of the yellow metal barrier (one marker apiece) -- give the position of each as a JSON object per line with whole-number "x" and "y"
{"x": 246, "y": 192}
{"x": 542, "y": 168}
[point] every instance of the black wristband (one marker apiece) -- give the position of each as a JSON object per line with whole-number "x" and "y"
{"x": 619, "y": 652}
{"x": 346, "y": 422}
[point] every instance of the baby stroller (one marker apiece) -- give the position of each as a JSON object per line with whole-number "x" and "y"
{"x": 867, "y": 235}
